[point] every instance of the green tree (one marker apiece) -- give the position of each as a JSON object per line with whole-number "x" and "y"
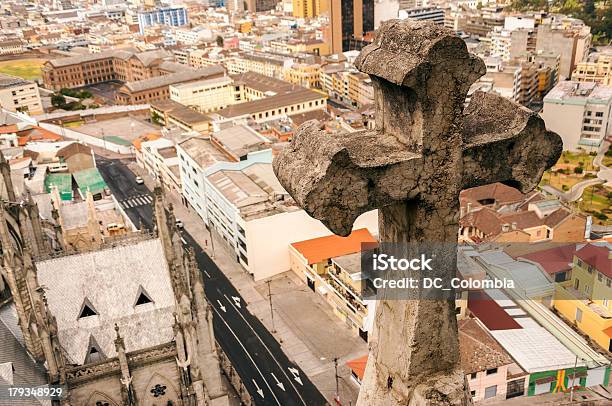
{"x": 578, "y": 170}
{"x": 58, "y": 100}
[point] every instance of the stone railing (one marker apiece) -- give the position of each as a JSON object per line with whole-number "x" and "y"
{"x": 85, "y": 373}
{"x": 234, "y": 379}
{"x": 109, "y": 242}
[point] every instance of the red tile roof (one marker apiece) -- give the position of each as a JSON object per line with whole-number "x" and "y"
{"x": 608, "y": 332}
{"x": 324, "y": 248}
{"x": 553, "y": 260}
{"x": 8, "y": 129}
{"x": 598, "y": 257}
{"x": 492, "y": 315}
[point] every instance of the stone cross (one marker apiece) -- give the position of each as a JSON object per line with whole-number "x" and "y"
{"x": 425, "y": 149}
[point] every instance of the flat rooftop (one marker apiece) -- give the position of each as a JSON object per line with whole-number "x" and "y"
{"x": 202, "y": 151}
{"x": 568, "y": 91}
{"x": 8, "y": 81}
{"x": 271, "y": 103}
{"x": 240, "y": 140}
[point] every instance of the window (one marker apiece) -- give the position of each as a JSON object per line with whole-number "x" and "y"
{"x": 578, "y": 315}
{"x": 142, "y": 297}
{"x": 473, "y": 393}
{"x": 577, "y": 284}
{"x": 87, "y": 309}
{"x": 490, "y": 392}
{"x": 599, "y": 114}
{"x": 491, "y": 371}
{"x": 473, "y": 375}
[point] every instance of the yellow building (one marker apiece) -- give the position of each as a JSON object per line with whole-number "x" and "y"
{"x": 587, "y": 301}
{"x": 596, "y": 69}
{"x": 303, "y": 74}
{"x": 308, "y": 8}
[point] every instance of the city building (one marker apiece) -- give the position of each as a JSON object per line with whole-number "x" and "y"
{"x": 490, "y": 371}
{"x": 19, "y": 95}
{"x": 12, "y": 47}
{"x": 110, "y": 65}
{"x": 158, "y": 88}
{"x": 308, "y": 8}
{"x": 434, "y": 14}
{"x": 170, "y": 16}
{"x": 276, "y": 106}
{"x": 349, "y": 20}
{"x": 586, "y": 299}
{"x": 580, "y": 113}
{"x": 331, "y": 266}
{"x": 571, "y": 43}
{"x": 209, "y": 94}
{"x": 597, "y": 68}
{"x": 499, "y": 213}
{"x": 171, "y": 113}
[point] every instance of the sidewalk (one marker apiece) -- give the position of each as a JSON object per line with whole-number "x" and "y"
{"x": 305, "y": 326}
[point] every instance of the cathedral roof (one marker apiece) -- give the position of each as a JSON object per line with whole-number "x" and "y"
{"x": 89, "y": 292}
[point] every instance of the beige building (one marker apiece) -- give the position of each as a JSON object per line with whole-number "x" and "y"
{"x": 304, "y": 74}
{"x": 11, "y": 47}
{"x": 21, "y": 95}
{"x": 580, "y": 112}
{"x": 208, "y": 94}
{"x": 598, "y": 69}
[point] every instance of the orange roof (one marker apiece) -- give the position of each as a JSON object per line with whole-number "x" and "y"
{"x": 358, "y": 366}
{"x": 147, "y": 137}
{"x": 324, "y": 248}
{"x": 608, "y": 332}
{"x": 8, "y": 129}
{"x": 36, "y": 133}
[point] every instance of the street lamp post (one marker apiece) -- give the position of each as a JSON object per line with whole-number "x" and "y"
{"x": 271, "y": 310}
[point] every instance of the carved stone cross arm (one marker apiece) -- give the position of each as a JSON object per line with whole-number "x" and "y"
{"x": 337, "y": 178}
{"x": 503, "y": 142}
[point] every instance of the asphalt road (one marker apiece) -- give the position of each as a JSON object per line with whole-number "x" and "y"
{"x": 268, "y": 375}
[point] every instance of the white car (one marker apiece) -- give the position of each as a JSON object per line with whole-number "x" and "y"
{"x": 139, "y": 180}
{"x": 179, "y": 224}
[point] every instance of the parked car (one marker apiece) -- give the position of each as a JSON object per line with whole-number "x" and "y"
{"x": 179, "y": 224}
{"x": 139, "y": 180}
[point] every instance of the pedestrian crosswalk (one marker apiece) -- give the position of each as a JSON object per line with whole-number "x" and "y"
{"x": 135, "y": 201}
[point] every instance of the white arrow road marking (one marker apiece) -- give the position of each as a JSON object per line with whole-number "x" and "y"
{"x": 183, "y": 240}
{"x": 278, "y": 383}
{"x": 206, "y": 273}
{"x": 281, "y": 368}
{"x": 248, "y": 355}
{"x": 259, "y": 390}
{"x": 236, "y": 301}
{"x": 296, "y": 375}
{"x": 221, "y": 306}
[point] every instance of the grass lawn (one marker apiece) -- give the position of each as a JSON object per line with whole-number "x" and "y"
{"x": 594, "y": 200}
{"x": 23, "y": 68}
{"x": 572, "y": 159}
{"x": 557, "y": 180}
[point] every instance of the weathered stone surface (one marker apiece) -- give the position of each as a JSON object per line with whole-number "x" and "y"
{"x": 424, "y": 151}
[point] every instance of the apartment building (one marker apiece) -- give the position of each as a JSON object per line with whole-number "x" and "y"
{"x": 597, "y": 68}
{"x": 170, "y": 113}
{"x": 586, "y": 299}
{"x": 304, "y": 74}
{"x": 263, "y": 63}
{"x": 308, "y": 8}
{"x": 580, "y": 112}
{"x": 171, "y": 16}
{"x": 19, "y": 95}
{"x": 571, "y": 42}
{"x": 347, "y": 84}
